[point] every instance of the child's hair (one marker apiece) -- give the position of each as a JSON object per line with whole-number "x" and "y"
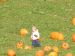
{"x": 34, "y": 28}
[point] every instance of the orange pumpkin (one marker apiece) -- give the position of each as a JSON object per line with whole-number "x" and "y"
{"x": 11, "y": 53}
{"x": 73, "y": 38}
{"x": 57, "y": 36}
{"x": 54, "y": 35}
{"x": 47, "y": 48}
{"x": 28, "y": 47}
{"x": 40, "y": 53}
{"x": 23, "y": 32}
{"x": 69, "y": 54}
{"x": 73, "y": 21}
{"x": 55, "y": 49}
{"x": 60, "y": 36}
{"x": 53, "y": 54}
{"x": 65, "y": 45}
{"x": 20, "y": 44}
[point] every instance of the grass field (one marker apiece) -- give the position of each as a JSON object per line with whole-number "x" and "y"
{"x": 48, "y": 16}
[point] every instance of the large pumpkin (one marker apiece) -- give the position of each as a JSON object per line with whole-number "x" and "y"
{"x": 73, "y": 38}
{"x": 47, "y": 48}
{"x": 20, "y": 44}
{"x": 65, "y": 45}
{"x": 53, "y": 54}
{"x": 56, "y": 49}
{"x": 69, "y": 54}
{"x": 73, "y": 21}
{"x": 40, "y": 53}
{"x": 54, "y": 35}
{"x": 57, "y": 36}
{"x": 11, "y": 53}
{"x": 23, "y": 32}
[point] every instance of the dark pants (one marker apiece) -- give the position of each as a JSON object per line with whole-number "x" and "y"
{"x": 35, "y": 43}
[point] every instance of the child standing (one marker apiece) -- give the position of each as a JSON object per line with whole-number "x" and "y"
{"x": 35, "y": 36}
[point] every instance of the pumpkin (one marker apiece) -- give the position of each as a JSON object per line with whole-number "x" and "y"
{"x": 65, "y": 45}
{"x": 53, "y": 54}
{"x": 40, "y": 53}
{"x": 23, "y": 32}
{"x": 73, "y": 38}
{"x": 54, "y": 35}
{"x": 20, "y": 44}
{"x": 28, "y": 47}
{"x": 47, "y": 48}
{"x": 11, "y": 53}
{"x": 60, "y": 36}
{"x": 69, "y": 54}
{"x": 55, "y": 49}
{"x": 73, "y": 21}
{"x": 57, "y": 36}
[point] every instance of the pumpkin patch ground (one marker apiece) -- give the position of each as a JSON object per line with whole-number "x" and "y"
{"x": 54, "y": 20}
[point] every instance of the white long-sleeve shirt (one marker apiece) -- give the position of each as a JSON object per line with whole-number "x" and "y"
{"x": 35, "y": 35}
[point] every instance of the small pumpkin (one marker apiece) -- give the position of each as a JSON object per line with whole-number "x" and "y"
{"x": 65, "y": 45}
{"x": 56, "y": 49}
{"x": 60, "y": 36}
{"x": 23, "y": 32}
{"x": 40, "y": 53}
{"x": 54, "y": 35}
{"x": 53, "y": 54}
{"x": 47, "y": 48}
{"x": 73, "y": 21}
{"x": 28, "y": 47}
{"x": 11, "y": 53}
{"x": 20, "y": 45}
{"x": 73, "y": 38}
{"x": 69, "y": 54}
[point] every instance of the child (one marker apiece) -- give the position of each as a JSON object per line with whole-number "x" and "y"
{"x": 35, "y": 36}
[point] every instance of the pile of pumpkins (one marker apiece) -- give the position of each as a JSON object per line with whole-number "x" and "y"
{"x": 20, "y": 45}
{"x": 60, "y": 36}
{"x": 52, "y": 51}
{"x": 12, "y": 52}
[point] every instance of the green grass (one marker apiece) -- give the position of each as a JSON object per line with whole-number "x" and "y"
{"x": 48, "y": 16}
